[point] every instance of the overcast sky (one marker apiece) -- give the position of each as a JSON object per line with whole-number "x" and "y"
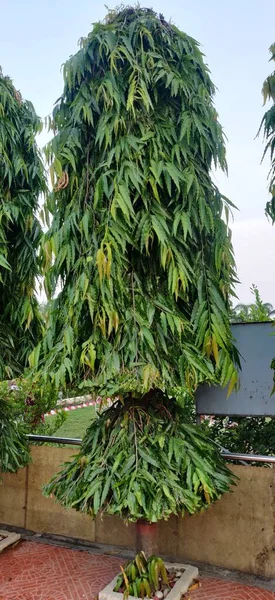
{"x": 38, "y": 36}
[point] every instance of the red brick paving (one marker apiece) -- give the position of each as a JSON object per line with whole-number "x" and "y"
{"x": 34, "y": 571}
{"x": 216, "y": 589}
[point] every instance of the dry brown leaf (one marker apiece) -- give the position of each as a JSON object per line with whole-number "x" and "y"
{"x": 194, "y": 586}
{"x": 62, "y": 182}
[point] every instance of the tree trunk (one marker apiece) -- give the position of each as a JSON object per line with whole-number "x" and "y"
{"x": 146, "y": 537}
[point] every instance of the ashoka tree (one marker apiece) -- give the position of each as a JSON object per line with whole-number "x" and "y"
{"x": 268, "y": 127}
{"x": 140, "y": 258}
{"x": 139, "y": 242}
{"x": 21, "y": 181}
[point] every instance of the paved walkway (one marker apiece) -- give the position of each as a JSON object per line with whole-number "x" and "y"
{"x": 37, "y": 571}
{"x": 34, "y": 571}
{"x": 216, "y": 589}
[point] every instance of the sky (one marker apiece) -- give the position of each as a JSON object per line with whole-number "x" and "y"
{"x": 37, "y": 36}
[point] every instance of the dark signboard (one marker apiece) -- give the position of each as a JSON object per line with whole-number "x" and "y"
{"x": 256, "y": 344}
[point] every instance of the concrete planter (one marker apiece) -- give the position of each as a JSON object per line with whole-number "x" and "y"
{"x": 8, "y": 538}
{"x": 189, "y": 573}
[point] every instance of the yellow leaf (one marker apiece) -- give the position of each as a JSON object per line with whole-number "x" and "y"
{"x": 215, "y": 349}
{"x": 102, "y": 324}
{"x": 207, "y": 497}
{"x": 232, "y": 383}
{"x": 29, "y": 318}
{"x": 110, "y": 326}
{"x": 115, "y": 320}
{"x": 113, "y": 209}
{"x": 208, "y": 345}
{"x": 194, "y": 586}
{"x": 109, "y": 260}
{"x": 146, "y": 376}
{"x": 100, "y": 261}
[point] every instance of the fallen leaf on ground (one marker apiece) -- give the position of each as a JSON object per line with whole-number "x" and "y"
{"x": 194, "y": 586}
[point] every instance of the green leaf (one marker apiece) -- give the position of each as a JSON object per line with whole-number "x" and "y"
{"x": 4, "y": 263}
{"x": 148, "y": 458}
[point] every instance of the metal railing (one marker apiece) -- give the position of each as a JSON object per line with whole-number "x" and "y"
{"x": 226, "y": 455}
{"x": 248, "y": 457}
{"x": 54, "y": 440}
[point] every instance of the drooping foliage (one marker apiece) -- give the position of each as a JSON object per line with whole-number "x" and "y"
{"x": 268, "y": 127}
{"x": 137, "y": 241}
{"x": 142, "y": 461}
{"x": 14, "y": 450}
{"x": 21, "y": 181}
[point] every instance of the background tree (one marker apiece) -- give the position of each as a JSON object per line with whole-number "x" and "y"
{"x": 268, "y": 128}
{"x": 145, "y": 260}
{"x": 256, "y": 311}
{"x": 21, "y": 181}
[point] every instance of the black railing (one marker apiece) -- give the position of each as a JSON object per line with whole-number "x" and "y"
{"x": 226, "y": 455}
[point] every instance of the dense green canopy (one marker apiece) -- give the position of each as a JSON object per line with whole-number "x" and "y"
{"x": 21, "y": 182}
{"x": 138, "y": 238}
{"x": 268, "y": 126}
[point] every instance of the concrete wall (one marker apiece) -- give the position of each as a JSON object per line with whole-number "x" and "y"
{"x": 238, "y": 532}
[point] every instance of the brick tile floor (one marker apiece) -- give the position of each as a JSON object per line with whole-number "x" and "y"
{"x": 36, "y": 571}
{"x": 216, "y": 589}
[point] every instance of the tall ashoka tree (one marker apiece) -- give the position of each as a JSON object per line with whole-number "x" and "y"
{"x": 268, "y": 127}
{"x": 21, "y": 182}
{"x": 140, "y": 247}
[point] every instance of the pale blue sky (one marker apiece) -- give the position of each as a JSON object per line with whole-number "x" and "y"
{"x": 37, "y": 37}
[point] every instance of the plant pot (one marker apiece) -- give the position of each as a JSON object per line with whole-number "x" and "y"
{"x": 146, "y": 537}
{"x": 189, "y": 573}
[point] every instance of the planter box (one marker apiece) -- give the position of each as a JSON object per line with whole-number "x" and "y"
{"x": 8, "y": 539}
{"x": 189, "y": 573}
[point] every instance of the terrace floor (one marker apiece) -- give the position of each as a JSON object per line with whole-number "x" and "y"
{"x": 40, "y": 571}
